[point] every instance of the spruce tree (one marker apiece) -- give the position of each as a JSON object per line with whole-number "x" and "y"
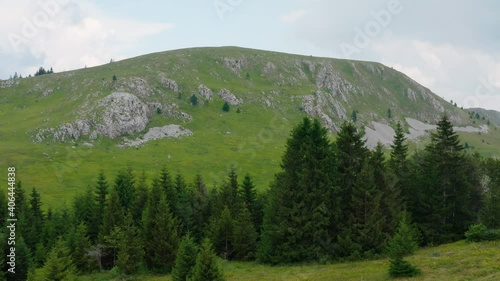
{"x": 200, "y": 207}
{"x": 124, "y": 186}
{"x": 444, "y": 208}
{"x": 228, "y": 196}
{"x": 399, "y": 165}
{"x": 168, "y": 187}
{"x": 113, "y": 215}
{"x": 59, "y": 266}
{"x": 185, "y": 259}
{"x": 226, "y": 107}
{"x": 301, "y": 212}
{"x": 130, "y": 247}
{"x": 141, "y": 198}
{"x": 391, "y": 205}
{"x": 366, "y": 219}
{"x": 248, "y": 197}
{"x": 183, "y": 204}
{"x": 221, "y": 233}
{"x": 244, "y": 236}
{"x": 351, "y": 153}
{"x": 23, "y": 260}
{"x": 79, "y": 244}
{"x": 206, "y": 268}
{"x": 402, "y": 244}
{"x": 160, "y": 234}
{"x": 100, "y": 195}
{"x": 84, "y": 209}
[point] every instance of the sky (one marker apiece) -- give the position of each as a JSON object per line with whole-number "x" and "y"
{"x": 451, "y": 47}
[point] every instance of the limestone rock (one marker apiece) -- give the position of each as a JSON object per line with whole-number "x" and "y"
{"x": 122, "y": 113}
{"x": 205, "y": 92}
{"x": 226, "y": 95}
{"x": 168, "y": 131}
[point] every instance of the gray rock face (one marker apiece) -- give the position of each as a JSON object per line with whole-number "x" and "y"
{"x": 169, "y": 83}
{"x": 328, "y": 79}
{"x": 325, "y": 107}
{"x": 137, "y": 86}
{"x": 47, "y": 93}
{"x": 234, "y": 64}
{"x": 169, "y": 131}
{"x": 122, "y": 113}
{"x": 65, "y": 132}
{"x": 269, "y": 68}
{"x": 205, "y": 92}
{"x": 226, "y": 95}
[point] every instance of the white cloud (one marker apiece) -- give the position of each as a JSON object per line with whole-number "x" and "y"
{"x": 72, "y": 35}
{"x": 293, "y": 16}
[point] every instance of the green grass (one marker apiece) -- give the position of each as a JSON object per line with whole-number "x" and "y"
{"x": 252, "y": 141}
{"x": 456, "y": 261}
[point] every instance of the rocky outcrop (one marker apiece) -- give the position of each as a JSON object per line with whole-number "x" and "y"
{"x": 269, "y": 68}
{"x": 205, "y": 92}
{"x": 321, "y": 105}
{"x": 169, "y": 131}
{"x": 137, "y": 86}
{"x": 168, "y": 83}
{"x": 122, "y": 113}
{"x": 234, "y": 65}
{"x": 226, "y": 95}
{"x": 331, "y": 81}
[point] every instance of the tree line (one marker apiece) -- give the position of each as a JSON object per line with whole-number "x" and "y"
{"x": 331, "y": 201}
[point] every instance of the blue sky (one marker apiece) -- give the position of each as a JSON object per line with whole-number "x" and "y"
{"x": 451, "y": 47}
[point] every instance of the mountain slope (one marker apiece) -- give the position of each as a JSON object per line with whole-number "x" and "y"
{"x": 60, "y": 129}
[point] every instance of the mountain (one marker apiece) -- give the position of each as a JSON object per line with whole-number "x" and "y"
{"x": 60, "y": 129}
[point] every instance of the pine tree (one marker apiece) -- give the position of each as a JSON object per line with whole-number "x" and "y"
{"x": 59, "y": 265}
{"x": 160, "y": 234}
{"x": 244, "y": 236}
{"x": 354, "y": 116}
{"x": 206, "y": 268}
{"x": 402, "y": 244}
{"x": 84, "y": 208}
{"x": 301, "y": 212}
{"x": 113, "y": 215}
{"x": 186, "y": 259}
{"x": 130, "y": 247}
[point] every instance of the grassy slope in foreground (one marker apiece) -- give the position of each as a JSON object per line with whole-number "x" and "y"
{"x": 456, "y": 261}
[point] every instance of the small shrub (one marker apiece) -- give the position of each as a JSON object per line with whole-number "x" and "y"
{"x": 225, "y": 107}
{"x": 158, "y": 110}
{"x": 401, "y": 268}
{"x": 479, "y": 232}
{"x": 114, "y": 78}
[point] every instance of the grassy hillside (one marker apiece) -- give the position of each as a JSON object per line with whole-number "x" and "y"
{"x": 457, "y": 261}
{"x": 276, "y": 90}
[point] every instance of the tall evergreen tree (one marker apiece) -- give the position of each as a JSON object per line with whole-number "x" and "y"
{"x": 351, "y": 153}
{"x": 399, "y": 165}
{"x": 186, "y": 259}
{"x": 165, "y": 181}
{"x": 200, "y": 206}
{"x": 124, "y": 186}
{"x": 391, "y": 205}
{"x": 141, "y": 198}
{"x": 113, "y": 215}
{"x": 35, "y": 220}
{"x": 367, "y": 220}
{"x": 300, "y": 215}
{"x": 248, "y": 197}
{"x": 23, "y": 261}
{"x": 228, "y": 196}
{"x": 59, "y": 266}
{"x": 206, "y": 268}
{"x": 160, "y": 234}
{"x": 244, "y": 236}
{"x": 79, "y": 244}
{"x": 183, "y": 204}
{"x": 130, "y": 247}
{"x": 444, "y": 207}
{"x": 84, "y": 208}
{"x": 100, "y": 196}
{"x": 221, "y": 233}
